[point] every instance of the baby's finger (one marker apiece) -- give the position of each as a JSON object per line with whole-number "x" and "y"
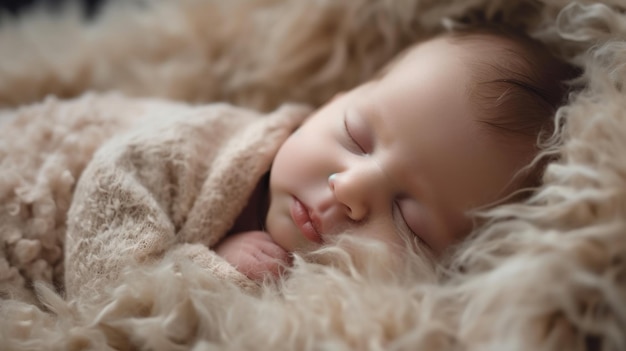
{"x": 272, "y": 250}
{"x": 260, "y": 267}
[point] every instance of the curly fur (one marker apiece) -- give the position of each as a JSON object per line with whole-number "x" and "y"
{"x": 545, "y": 274}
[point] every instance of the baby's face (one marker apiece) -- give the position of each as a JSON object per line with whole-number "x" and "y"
{"x": 402, "y": 154}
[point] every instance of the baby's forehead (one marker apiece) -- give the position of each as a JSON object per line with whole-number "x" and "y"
{"x": 475, "y": 51}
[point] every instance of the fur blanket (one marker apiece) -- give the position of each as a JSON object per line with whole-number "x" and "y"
{"x": 545, "y": 274}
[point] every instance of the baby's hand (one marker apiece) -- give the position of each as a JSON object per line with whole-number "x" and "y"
{"x": 254, "y": 254}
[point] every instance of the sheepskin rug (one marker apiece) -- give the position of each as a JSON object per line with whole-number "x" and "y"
{"x": 545, "y": 274}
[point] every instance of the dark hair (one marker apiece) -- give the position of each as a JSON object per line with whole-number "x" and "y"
{"x": 516, "y": 88}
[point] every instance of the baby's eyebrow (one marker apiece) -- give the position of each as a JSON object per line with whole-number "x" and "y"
{"x": 513, "y": 104}
{"x": 536, "y": 90}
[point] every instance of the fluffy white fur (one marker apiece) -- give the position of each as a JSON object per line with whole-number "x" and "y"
{"x": 546, "y": 274}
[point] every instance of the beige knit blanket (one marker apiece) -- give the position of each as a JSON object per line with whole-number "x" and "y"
{"x": 167, "y": 179}
{"x": 545, "y": 274}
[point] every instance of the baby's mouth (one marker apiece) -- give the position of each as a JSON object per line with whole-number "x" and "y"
{"x": 301, "y": 216}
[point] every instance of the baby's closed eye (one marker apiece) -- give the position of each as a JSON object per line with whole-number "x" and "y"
{"x": 411, "y": 216}
{"x": 357, "y": 132}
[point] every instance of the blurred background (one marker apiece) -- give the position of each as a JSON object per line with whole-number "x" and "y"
{"x": 17, "y": 7}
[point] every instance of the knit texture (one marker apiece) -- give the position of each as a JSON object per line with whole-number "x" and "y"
{"x": 172, "y": 187}
{"x": 166, "y": 178}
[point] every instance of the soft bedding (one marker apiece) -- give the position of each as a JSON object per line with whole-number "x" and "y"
{"x": 547, "y": 273}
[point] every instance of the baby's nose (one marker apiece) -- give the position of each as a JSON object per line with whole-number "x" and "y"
{"x": 355, "y": 191}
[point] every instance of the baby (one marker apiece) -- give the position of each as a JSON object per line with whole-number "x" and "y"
{"x": 444, "y": 130}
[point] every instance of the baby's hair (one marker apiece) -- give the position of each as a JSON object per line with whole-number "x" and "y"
{"x": 515, "y": 89}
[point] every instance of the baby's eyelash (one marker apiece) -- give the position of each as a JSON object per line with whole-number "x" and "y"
{"x": 352, "y": 139}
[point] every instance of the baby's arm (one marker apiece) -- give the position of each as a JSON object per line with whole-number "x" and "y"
{"x": 254, "y": 254}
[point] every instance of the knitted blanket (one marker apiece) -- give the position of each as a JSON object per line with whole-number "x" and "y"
{"x": 544, "y": 274}
{"x": 166, "y": 179}
{"x": 173, "y": 187}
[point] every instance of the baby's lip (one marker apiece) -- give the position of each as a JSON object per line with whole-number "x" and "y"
{"x": 307, "y": 223}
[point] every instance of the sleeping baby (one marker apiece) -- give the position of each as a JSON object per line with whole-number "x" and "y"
{"x": 444, "y": 130}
